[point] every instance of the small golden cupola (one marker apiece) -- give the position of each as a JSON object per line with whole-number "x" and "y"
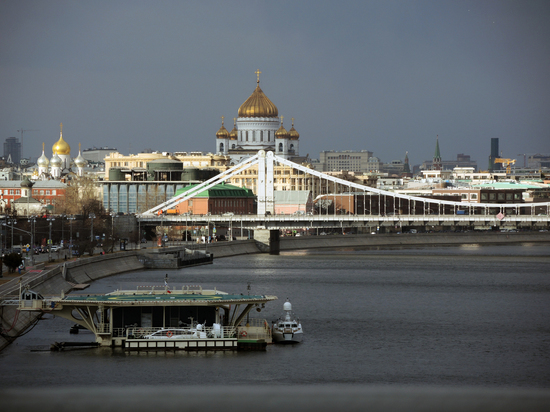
{"x": 292, "y": 133}
{"x": 234, "y": 134}
{"x": 258, "y": 105}
{"x": 222, "y": 133}
{"x": 281, "y": 133}
{"x": 61, "y": 147}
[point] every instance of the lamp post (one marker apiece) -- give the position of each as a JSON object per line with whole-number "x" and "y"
{"x": 92, "y": 216}
{"x": 70, "y": 219}
{"x": 32, "y": 221}
{"x": 113, "y": 214}
{"x": 12, "y": 222}
{"x": 50, "y": 219}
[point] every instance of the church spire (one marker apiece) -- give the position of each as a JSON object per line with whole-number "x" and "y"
{"x": 437, "y": 156}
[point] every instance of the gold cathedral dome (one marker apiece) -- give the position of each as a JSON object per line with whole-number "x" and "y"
{"x": 222, "y": 133}
{"x": 293, "y": 133}
{"x": 258, "y": 105}
{"x": 234, "y": 134}
{"x": 281, "y": 133}
{"x": 61, "y": 146}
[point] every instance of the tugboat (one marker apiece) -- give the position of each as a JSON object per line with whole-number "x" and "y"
{"x": 289, "y": 329}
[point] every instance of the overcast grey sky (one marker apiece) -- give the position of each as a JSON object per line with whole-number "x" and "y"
{"x": 385, "y": 76}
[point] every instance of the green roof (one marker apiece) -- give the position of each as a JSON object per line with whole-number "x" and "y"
{"x": 220, "y": 190}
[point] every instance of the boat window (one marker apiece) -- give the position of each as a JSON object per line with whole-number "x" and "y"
{"x": 294, "y": 325}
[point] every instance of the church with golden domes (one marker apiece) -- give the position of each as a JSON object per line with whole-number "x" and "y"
{"x": 61, "y": 163}
{"x": 257, "y": 127}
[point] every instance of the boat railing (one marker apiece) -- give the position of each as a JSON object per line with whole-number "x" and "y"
{"x": 205, "y": 332}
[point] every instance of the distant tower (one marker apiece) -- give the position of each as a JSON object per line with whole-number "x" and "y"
{"x": 12, "y": 150}
{"x": 436, "y": 165}
{"x": 494, "y": 154}
{"x": 406, "y": 167}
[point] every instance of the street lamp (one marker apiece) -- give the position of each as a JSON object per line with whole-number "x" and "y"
{"x": 113, "y": 214}
{"x": 70, "y": 219}
{"x": 32, "y": 221}
{"x": 92, "y": 216}
{"x": 12, "y": 222}
{"x": 50, "y": 219}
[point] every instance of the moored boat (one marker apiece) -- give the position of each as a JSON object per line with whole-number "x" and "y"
{"x": 153, "y": 317}
{"x": 288, "y": 329}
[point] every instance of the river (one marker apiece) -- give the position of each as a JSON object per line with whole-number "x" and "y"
{"x": 461, "y": 316}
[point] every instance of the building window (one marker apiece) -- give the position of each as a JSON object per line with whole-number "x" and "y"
{"x": 501, "y": 196}
{"x": 484, "y": 196}
{"x": 18, "y": 192}
{"x": 11, "y": 191}
{"x": 473, "y": 196}
{"x": 53, "y": 192}
{"x": 42, "y": 192}
{"x": 47, "y": 192}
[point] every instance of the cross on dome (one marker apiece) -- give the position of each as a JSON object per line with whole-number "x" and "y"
{"x": 258, "y": 72}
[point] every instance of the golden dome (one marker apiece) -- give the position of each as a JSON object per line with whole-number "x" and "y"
{"x": 234, "y": 134}
{"x": 222, "y": 133}
{"x": 258, "y": 105}
{"x": 292, "y": 133}
{"x": 281, "y": 133}
{"x": 61, "y": 146}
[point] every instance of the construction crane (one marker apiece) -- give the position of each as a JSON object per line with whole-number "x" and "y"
{"x": 21, "y": 141}
{"x": 507, "y": 163}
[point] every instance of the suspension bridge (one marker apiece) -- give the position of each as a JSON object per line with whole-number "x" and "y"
{"x": 360, "y": 206}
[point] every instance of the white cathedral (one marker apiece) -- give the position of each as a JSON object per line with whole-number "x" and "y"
{"x": 61, "y": 163}
{"x": 257, "y": 127}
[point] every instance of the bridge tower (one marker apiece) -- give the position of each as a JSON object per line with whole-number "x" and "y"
{"x": 266, "y": 204}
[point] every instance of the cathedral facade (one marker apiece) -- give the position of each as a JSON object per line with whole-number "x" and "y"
{"x": 257, "y": 127}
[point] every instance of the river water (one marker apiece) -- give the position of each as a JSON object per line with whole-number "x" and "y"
{"x": 469, "y": 315}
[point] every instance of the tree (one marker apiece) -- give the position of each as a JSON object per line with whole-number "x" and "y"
{"x": 12, "y": 261}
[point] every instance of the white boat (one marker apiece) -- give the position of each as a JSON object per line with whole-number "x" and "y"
{"x": 289, "y": 329}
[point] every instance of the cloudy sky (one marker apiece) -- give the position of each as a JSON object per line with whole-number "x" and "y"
{"x": 385, "y": 76}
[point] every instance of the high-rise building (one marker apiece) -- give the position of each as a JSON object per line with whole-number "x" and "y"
{"x": 494, "y": 154}
{"x": 12, "y": 150}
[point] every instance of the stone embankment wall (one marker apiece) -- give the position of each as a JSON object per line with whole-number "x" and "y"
{"x": 420, "y": 239}
{"x": 57, "y": 280}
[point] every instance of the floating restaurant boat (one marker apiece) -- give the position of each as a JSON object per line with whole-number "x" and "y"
{"x": 162, "y": 318}
{"x": 289, "y": 329}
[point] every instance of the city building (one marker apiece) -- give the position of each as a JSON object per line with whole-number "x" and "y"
{"x": 462, "y": 160}
{"x": 97, "y": 155}
{"x": 48, "y": 192}
{"x": 352, "y": 161}
{"x": 219, "y": 199}
{"x": 12, "y": 150}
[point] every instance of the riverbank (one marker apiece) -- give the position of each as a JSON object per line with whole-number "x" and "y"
{"x": 66, "y": 276}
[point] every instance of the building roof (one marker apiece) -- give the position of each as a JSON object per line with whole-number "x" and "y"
{"x": 38, "y": 184}
{"x": 507, "y": 185}
{"x": 220, "y": 190}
